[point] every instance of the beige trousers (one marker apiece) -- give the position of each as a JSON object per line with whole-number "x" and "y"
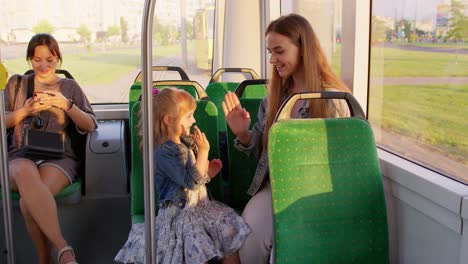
{"x": 258, "y": 214}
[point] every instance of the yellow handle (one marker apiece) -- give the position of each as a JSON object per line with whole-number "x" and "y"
{"x": 3, "y": 76}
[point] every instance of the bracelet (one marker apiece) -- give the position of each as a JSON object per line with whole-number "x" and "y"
{"x": 71, "y": 104}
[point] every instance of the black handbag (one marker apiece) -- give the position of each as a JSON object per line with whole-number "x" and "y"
{"x": 37, "y": 144}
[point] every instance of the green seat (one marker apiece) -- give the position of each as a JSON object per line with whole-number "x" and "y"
{"x": 134, "y": 95}
{"x": 327, "y": 191}
{"x": 252, "y": 89}
{"x": 206, "y": 116}
{"x": 241, "y": 167}
{"x": 216, "y": 92}
{"x": 137, "y": 205}
{"x": 255, "y": 91}
{"x": 71, "y": 194}
{"x": 192, "y": 87}
{"x": 180, "y": 71}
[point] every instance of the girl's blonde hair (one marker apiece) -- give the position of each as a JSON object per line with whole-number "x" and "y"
{"x": 173, "y": 102}
{"x": 318, "y": 73}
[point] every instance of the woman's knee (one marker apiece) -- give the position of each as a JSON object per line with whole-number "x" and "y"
{"x": 22, "y": 171}
{"x": 53, "y": 178}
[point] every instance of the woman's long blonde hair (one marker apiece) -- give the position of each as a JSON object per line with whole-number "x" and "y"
{"x": 169, "y": 101}
{"x": 318, "y": 73}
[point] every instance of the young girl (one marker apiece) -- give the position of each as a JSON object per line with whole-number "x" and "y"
{"x": 190, "y": 228}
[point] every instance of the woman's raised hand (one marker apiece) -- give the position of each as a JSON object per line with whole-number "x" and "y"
{"x": 237, "y": 117}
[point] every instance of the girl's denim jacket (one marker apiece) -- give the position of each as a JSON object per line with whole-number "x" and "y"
{"x": 255, "y": 145}
{"x": 175, "y": 172}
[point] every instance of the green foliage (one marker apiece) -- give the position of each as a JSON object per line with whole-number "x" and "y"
{"x": 458, "y": 22}
{"x": 164, "y": 35}
{"x": 379, "y": 30}
{"x": 43, "y": 27}
{"x": 84, "y": 32}
{"x": 124, "y": 29}
{"x": 113, "y": 31}
{"x": 404, "y": 27}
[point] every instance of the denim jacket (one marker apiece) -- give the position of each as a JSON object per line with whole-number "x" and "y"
{"x": 175, "y": 172}
{"x": 255, "y": 145}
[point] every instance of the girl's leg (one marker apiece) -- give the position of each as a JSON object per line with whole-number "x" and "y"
{"x": 259, "y": 216}
{"x": 37, "y": 189}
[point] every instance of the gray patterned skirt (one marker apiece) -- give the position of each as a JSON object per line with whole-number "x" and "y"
{"x": 190, "y": 235}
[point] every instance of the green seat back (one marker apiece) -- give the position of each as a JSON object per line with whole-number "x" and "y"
{"x": 188, "y": 88}
{"x": 137, "y": 204}
{"x": 327, "y": 191}
{"x": 216, "y": 92}
{"x": 135, "y": 92}
{"x": 241, "y": 167}
{"x": 254, "y": 91}
{"x": 206, "y": 116}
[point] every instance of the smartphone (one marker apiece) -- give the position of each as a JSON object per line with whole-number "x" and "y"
{"x": 42, "y": 94}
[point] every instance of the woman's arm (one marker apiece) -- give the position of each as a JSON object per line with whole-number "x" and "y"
{"x": 30, "y": 107}
{"x": 81, "y": 119}
{"x": 14, "y": 118}
{"x": 74, "y": 103}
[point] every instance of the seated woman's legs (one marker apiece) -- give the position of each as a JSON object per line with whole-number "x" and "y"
{"x": 37, "y": 188}
{"x": 258, "y": 214}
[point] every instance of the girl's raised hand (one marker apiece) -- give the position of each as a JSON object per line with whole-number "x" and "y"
{"x": 237, "y": 117}
{"x": 200, "y": 139}
{"x": 214, "y": 167}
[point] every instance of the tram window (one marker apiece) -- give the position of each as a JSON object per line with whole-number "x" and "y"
{"x": 321, "y": 14}
{"x": 418, "y": 82}
{"x": 188, "y": 45}
{"x": 101, "y": 40}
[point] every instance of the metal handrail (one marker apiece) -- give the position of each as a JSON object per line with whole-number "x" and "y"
{"x": 147, "y": 121}
{"x": 5, "y": 182}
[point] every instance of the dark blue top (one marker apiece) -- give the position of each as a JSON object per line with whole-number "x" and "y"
{"x": 175, "y": 172}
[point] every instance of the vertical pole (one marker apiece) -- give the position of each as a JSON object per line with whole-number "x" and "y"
{"x": 147, "y": 121}
{"x": 5, "y": 182}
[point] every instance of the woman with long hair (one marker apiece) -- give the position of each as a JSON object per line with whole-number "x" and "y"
{"x": 298, "y": 65}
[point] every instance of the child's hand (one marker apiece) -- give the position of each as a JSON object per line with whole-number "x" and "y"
{"x": 214, "y": 167}
{"x": 200, "y": 140}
